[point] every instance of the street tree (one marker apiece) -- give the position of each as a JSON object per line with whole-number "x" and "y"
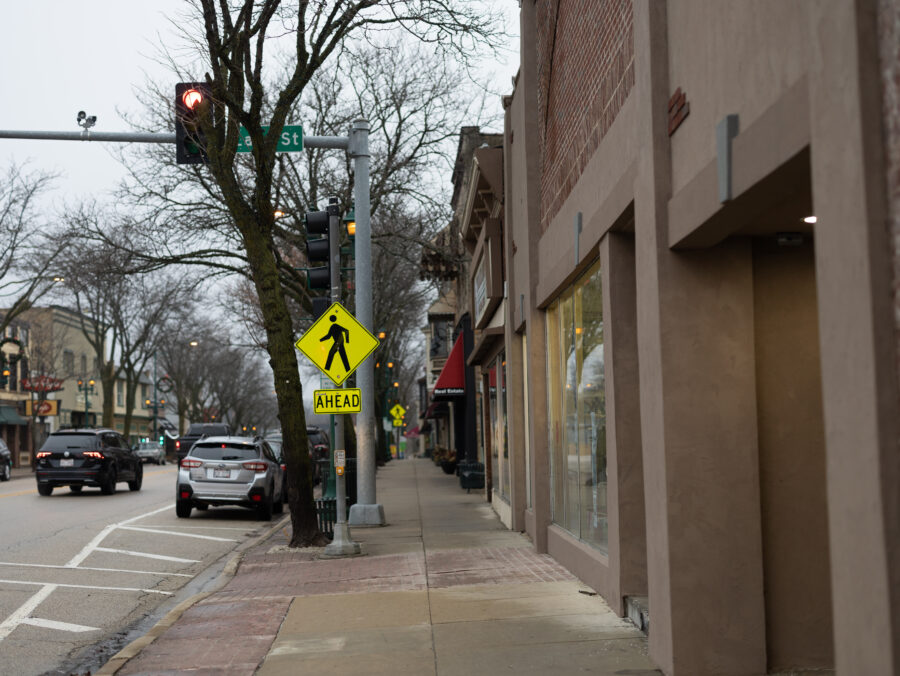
{"x": 27, "y": 248}
{"x": 258, "y": 58}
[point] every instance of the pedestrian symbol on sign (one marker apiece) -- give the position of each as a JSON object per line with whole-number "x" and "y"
{"x": 339, "y": 335}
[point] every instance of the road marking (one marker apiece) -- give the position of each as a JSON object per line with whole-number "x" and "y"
{"x": 24, "y": 610}
{"x": 140, "y": 529}
{"x": 53, "y": 624}
{"x": 106, "y": 570}
{"x": 153, "y": 525}
{"x": 32, "y": 491}
{"x": 150, "y": 556}
{"x": 93, "y": 544}
{"x": 86, "y": 586}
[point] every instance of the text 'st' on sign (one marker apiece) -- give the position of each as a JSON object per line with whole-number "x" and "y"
{"x": 337, "y": 401}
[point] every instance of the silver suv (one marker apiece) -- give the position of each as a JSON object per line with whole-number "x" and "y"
{"x": 229, "y": 471}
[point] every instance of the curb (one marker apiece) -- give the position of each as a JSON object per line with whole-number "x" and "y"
{"x": 133, "y": 649}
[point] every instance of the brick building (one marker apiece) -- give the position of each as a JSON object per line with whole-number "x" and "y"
{"x": 699, "y": 321}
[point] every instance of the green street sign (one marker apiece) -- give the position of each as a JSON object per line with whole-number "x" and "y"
{"x": 290, "y": 141}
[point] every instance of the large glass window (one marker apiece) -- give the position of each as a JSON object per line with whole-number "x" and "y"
{"x": 577, "y": 408}
{"x": 498, "y": 386}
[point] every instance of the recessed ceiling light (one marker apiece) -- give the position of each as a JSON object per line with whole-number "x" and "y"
{"x": 810, "y": 219}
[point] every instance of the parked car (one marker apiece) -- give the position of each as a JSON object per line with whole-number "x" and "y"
{"x": 197, "y": 431}
{"x": 318, "y": 442}
{"x": 150, "y": 451}
{"x": 5, "y": 461}
{"x": 228, "y": 470}
{"x": 87, "y": 457}
{"x": 277, "y": 446}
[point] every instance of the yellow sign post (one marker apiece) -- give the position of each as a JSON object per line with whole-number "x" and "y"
{"x": 337, "y": 343}
{"x": 337, "y": 401}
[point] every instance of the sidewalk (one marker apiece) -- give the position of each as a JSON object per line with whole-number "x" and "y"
{"x": 443, "y": 589}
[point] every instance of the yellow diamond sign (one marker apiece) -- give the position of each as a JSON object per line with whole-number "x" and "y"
{"x": 337, "y": 343}
{"x": 398, "y": 411}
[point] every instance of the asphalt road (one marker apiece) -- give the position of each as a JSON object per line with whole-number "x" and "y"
{"x": 81, "y": 571}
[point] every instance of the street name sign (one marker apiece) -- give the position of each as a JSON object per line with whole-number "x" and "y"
{"x": 398, "y": 411}
{"x": 290, "y": 141}
{"x": 337, "y": 401}
{"x": 337, "y": 343}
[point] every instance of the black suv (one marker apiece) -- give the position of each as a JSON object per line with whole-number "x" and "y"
{"x": 87, "y": 457}
{"x": 196, "y": 432}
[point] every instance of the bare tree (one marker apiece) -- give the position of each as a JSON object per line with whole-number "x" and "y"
{"x": 27, "y": 249}
{"x": 237, "y": 200}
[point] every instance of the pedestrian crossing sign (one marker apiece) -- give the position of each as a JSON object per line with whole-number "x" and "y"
{"x": 398, "y": 411}
{"x": 337, "y": 343}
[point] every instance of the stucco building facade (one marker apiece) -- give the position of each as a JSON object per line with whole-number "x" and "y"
{"x": 695, "y": 349}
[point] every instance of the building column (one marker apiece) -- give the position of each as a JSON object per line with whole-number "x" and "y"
{"x": 625, "y": 488}
{"x": 856, "y": 326}
{"x": 698, "y": 412}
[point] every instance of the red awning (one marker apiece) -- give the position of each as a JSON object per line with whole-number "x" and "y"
{"x": 452, "y": 381}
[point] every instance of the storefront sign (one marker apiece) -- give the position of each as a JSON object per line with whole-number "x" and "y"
{"x": 42, "y": 407}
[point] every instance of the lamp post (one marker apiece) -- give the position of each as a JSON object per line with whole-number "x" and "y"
{"x": 87, "y": 389}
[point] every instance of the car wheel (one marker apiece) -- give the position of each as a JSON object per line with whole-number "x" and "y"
{"x": 138, "y": 479}
{"x": 45, "y": 489}
{"x": 76, "y": 489}
{"x": 108, "y": 487}
{"x": 4, "y": 472}
{"x": 264, "y": 511}
{"x": 182, "y": 509}
{"x": 162, "y": 460}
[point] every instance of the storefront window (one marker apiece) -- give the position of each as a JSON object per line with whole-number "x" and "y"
{"x": 577, "y": 408}
{"x": 500, "y": 435}
{"x": 555, "y": 428}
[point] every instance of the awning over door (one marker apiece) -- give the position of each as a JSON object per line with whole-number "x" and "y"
{"x": 452, "y": 381}
{"x": 9, "y": 416}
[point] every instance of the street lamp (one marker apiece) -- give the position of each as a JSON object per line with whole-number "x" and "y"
{"x": 88, "y": 390}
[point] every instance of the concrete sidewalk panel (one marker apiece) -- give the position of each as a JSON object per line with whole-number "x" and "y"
{"x": 347, "y": 612}
{"x": 450, "y": 605}
{"x": 398, "y": 651}
{"x": 608, "y": 657}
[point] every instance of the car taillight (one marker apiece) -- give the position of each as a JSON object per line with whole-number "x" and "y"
{"x": 284, "y": 468}
{"x": 177, "y": 445}
{"x": 255, "y": 466}
{"x": 93, "y": 454}
{"x": 43, "y": 454}
{"x": 190, "y": 463}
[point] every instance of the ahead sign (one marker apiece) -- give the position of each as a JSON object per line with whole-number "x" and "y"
{"x": 337, "y": 401}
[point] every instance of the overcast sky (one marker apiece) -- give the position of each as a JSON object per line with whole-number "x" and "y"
{"x": 61, "y": 57}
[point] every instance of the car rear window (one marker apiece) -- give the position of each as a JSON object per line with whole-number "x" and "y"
{"x": 62, "y": 442}
{"x": 209, "y": 429}
{"x": 317, "y": 438}
{"x": 224, "y": 452}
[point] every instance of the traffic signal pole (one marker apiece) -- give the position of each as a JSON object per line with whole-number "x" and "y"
{"x": 366, "y": 512}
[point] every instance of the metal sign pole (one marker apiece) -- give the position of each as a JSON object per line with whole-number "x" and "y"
{"x": 342, "y": 544}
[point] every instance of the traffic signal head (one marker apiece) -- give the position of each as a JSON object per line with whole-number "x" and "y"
{"x": 193, "y": 103}
{"x": 317, "y": 249}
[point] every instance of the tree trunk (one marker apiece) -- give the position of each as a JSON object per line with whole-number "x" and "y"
{"x": 283, "y": 360}
{"x": 108, "y": 385}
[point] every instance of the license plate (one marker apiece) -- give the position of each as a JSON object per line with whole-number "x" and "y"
{"x": 221, "y": 474}
{"x": 67, "y": 462}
